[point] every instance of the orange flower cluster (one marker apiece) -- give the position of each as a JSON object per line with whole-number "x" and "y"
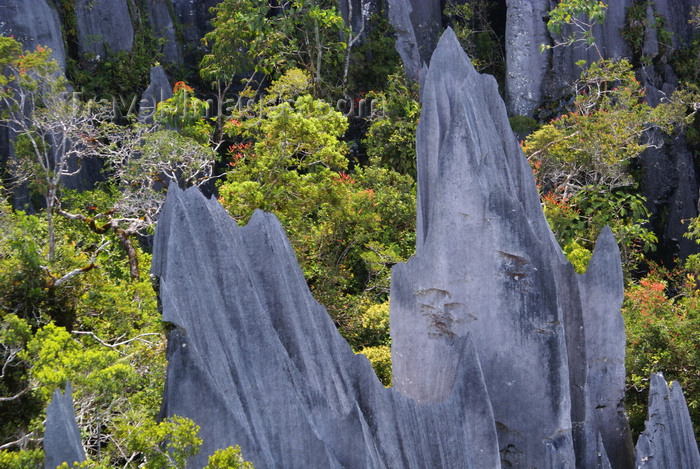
{"x": 181, "y": 85}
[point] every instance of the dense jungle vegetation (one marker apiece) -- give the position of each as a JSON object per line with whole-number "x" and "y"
{"x": 76, "y": 300}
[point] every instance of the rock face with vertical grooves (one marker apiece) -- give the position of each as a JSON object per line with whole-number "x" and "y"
{"x": 161, "y": 21}
{"x": 256, "y": 361}
{"x": 487, "y": 264}
{"x": 62, "y": 437}
{"x": 668, "y": 439}
{"x": 502, "y": 354}
{"x": 103, "y": 26}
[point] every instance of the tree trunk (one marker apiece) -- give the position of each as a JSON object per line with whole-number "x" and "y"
{"x": 130, "y": 252}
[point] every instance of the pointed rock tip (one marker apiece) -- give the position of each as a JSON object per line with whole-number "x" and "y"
{"x": 449, "y": 50}
{"x": 606, "y": 242}
{"x": 606, "y": 254}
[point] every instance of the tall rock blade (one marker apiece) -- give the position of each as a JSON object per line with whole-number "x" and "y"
{"x": 668, "y": 439}
{"x": 482, "y": 266}
{"x": 62, "y": 441}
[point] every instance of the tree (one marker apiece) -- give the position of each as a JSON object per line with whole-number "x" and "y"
{"x": 54, "y": 132}
{"x": 582, "y": 15}
{"x": 289, "y": 158}
{"x": 229, "y": 458}
{"x": 267, "y": 38}
{"x": 582, "y": 158}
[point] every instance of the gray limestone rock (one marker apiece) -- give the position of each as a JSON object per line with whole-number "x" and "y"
{"x": 362, "y": 11}
{"x": 487, "y": 265}
{"x": 668, "y": 439}
{"x": 62, "y": 437}
{"x": 601, "y": 290}
{"x": 162, "y": 24}
{"x": 418, "y": 25}
{"x": 482, "y": 266}
{"x": 526, "y": 67}
{"x": 33, "y": 23}
{"x": 256, "y": 361}
{"x": 671, "y": 189}
{"x": 103, "y": 26}
{"x": 193, "y": 16}
{"x": 158, "y": 90}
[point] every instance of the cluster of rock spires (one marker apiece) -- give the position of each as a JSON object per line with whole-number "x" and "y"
{"x": 502, "y": 355}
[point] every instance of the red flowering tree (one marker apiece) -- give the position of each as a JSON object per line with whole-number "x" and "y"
{"x": 662, "y": 318}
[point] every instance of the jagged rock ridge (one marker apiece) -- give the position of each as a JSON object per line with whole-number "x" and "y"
{"x": 256, "y": 361}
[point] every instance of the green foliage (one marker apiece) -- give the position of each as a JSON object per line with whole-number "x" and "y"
{"x": 27, "y": 459}
{"x": 391, "y": 138}
{"x": 373, "y": 61}
{"x": 291, "y": 160}
{"x": 186, "y": 113}
{"x": 267, "y": 38}
{"x": 380, "y": 358}
{"x": 581, "y": 15}
{"x": 229, "y": 458}
{"x": 593, "y": 143}
{"x": 636, "y": 27}
{"x": 165, "y": 444}
{"x": 577, "y": 255}
{"x": 523, "y": 125}
{"x": 578, "y": 220}
{"x": 471, "y": 23}
{"x": 124, "y": 73}
{"x": 663, "y": 331}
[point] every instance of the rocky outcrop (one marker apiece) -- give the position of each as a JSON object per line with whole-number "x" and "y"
{"x": 62, "y": 441}
{"x": 193, "y": 16}
{"x": 487, "y": 265}
{"x": 33, "y": 23}
{"x": 418, "y": 25}
{"x": 668, "y": 439}
{"x": 256, "y": 361}
{"x": 533, "y": 77}
{"x": 103, "y": 26}
{"x": 671, "y": 190}
{"x": 158, "y": 90}
{"x": 526, "y": 67}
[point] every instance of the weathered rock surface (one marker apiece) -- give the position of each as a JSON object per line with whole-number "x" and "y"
{"x": 533, "y": 77}
{"x": 671, "y": 190}
{"x": 526, "y": 67}
{"x": 102, "y": 26}
{"x": 668, "y": 439}
{"x": 62, "y": 441}
{"x": 418, "y": 24}
{"x": 162, "y": 24}
{"x": 256, "y": 361}
{"x": 487, "y": 265}
{"x": 33, "y": 23}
